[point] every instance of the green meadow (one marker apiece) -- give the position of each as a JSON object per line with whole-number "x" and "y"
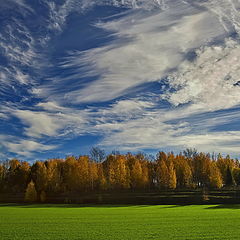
{"x": 119, "y": 222}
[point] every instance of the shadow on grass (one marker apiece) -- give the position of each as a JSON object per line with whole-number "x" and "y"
{"x": 35, "y": 205}
{"x": 69, "y": 205}
{"x": 9, "y": 204}
{"x": 224, "y": 206}
{"x": 176, "y": 206}
{"x": 60, "y": 205}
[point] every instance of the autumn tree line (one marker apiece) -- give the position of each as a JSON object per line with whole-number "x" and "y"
{"x": 117, "y": 172}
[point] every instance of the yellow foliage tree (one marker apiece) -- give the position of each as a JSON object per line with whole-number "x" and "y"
{"x": 215, "y": 177}
{"x": 162, "y": 174}
{"x": 136, "y": 175}
{"x": 31, "y": 193}
{"x": 172, "y": 181}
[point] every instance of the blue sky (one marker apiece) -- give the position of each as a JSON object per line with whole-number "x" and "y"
{"x": 127, "y": 75}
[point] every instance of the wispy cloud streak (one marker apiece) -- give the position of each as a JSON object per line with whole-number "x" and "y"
{"x": 148, "y": 50}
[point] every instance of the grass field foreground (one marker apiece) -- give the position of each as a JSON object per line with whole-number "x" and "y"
{"x": 160, "y": 222}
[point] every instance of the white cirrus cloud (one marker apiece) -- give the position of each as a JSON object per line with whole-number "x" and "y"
{"x": 147, "y": 50}
{"x": 23, "y": 147}
{"x": 43, "y": 123}
{"x": 39, "y": 123}
{"x": 154, "y": 131}
{"x": 211, "y": 82}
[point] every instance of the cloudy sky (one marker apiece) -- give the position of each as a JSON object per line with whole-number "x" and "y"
{"x": 129, "y": 75}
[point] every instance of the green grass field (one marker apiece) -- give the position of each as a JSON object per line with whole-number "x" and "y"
{"x": 119, "y": 222}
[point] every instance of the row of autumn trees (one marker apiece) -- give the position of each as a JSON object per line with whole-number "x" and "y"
{"x": 97, "y": 173}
